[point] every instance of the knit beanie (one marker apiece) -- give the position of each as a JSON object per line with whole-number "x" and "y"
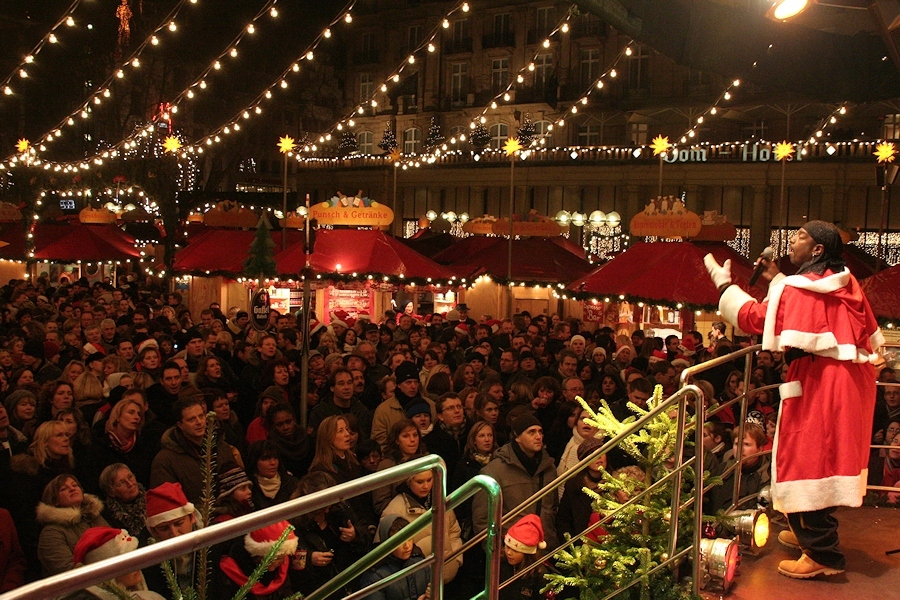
{"x": 17, "y": 396}
{"x": 167, "y": 502}
{"x": 527, "y": 535}
{"x": 405, "y": 371}
{"x": 232, "y": 480}
{"x": 521, "y": 423}
{"x": 587, "y": 447}
{"x": 418, "y": 408}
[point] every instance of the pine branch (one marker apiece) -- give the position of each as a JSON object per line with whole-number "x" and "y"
{"x": 262, "y": 567}
{"x": 208, "y": 470}
{"x": 171, "y": 580}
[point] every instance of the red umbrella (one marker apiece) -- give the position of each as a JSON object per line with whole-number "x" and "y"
{"x": 668, "y": 272}
{"x": 883, "y": 292}
{"x": 533, "y": 259}
{"x": 361, "y": 251}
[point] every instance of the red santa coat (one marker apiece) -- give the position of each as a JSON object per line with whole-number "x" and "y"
{"x": 821, "y": 448}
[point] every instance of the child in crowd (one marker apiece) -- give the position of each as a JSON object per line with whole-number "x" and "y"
{"x": 412, "y": 587}
{"x": 522, "y": 543}
{"x": 369, "y": 454}
{"x": 235, "y": 496}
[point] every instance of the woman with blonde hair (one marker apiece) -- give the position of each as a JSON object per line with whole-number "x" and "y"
{"x": 122, "y": 439}
{"x": 88, "y": 391}
{"x": 72, "y": 371}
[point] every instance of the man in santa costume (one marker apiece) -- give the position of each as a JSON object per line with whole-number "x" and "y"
{"x": 822, "y": 322}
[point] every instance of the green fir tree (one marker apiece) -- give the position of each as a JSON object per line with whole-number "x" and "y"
{"x": 349, "y": 144}
{"x": 261, "y": 260}
{"x": 388, "y": 141}
{"x": 526, "y": 132}
{"x": 435, "y": 137}
{"x": 637, "y": 538}
{"x": 480, "y": 137}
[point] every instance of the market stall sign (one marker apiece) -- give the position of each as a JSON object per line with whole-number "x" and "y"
{"x": 260, "y": 305}
{"x": 665, "y": 217}
{"x": 352, "y": 210}
{"x": 351, "y": 301}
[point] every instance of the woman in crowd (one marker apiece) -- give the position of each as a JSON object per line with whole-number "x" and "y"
{"x": 148, "y": 361}
{"x": 54, "y": 397}
{"x": 121, "y": 440}
{"x": 403, "y": 443}
{"x": 20, "y": 378}
{"x": 575, "y": 506}
{"x": 88, "y": 393}
{"x": 413, "y": 498}
{"x": 209, "y": 374}
{"x": 464, "y": 376}
{"x": 612, "y": 389}
{"x": 468, "y": 395}
{"x": 272, "y": 483}
{"x": 334, "y": 455}
{"x": 230, "y": 428}
{"x": 125, "y": 500}
{"x": 65, "y": 512}
{"x": 257, "y": 429}
{"x": 334, "y": 538}
{"x": 478, "y": 452}
{"x": 72, "y": 371}
{"x": 294, "y": 446}
{"x": 580, "y": 432}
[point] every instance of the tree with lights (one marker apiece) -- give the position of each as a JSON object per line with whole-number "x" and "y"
{"x": 388, "y": 141}
{"x": 261, "y": 260}
{"x": 349, "y": 144}
{"x": 526, "y": 132}
{"x": 435, "y": 137}
{"x": 637, "y": 538}
{"x": 480, "y": 137}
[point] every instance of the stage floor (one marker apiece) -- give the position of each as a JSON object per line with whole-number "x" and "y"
{"x": 866, "y": 533}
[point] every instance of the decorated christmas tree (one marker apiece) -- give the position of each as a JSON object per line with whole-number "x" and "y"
{"x": 435, "y": 137}
{"x": 261, "y": 260}
{"x": 636, "y": 540}
{"x": 480, "y": 136}
{"x": 388, "y": 141}
{"x": 349, "y": 145}
{"x": 526, "y": 132}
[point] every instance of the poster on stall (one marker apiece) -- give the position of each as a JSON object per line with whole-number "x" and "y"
{"x": 351, "y": 301}
{"x": 593, "y": 313}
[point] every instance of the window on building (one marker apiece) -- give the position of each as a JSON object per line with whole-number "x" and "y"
{"x": 590, "y": 66}
{"x": 544, "y": 22}
{"x": 639, "y": 69}
{"x": 366, "y": 86}
{"x": 543, "y": 131}
{"x": 499, "y": 74}
{"x": 460, "y": 32}
{"x": 639, "y": 134}
{"x": 459, "y": 81}
{"x": 589, "y": 135}
{"x": 891, "y": 127}
{"x": 414, "y": 37}
{"x": 364, "y": 141}
{"x": 367, "y": 42}
{"x": 543, "y": 70}
{"x": 501, "y": 26}
{"x": 499, "y": 134}
{"x": 412, "y": 137}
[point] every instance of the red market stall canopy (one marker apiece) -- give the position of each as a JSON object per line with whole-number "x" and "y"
{"x": 223, "y": 251}
{"x": 360, "y": 251}
{"x": 86, "y": 243}
{"x": 668, "y": 272}
{"x": 883, "y": 291}
{"x": 430, "y": 243}
{"x": 533, "y": 259}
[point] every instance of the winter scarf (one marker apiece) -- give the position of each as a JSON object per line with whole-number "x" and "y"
{"x": 132, "y": 514}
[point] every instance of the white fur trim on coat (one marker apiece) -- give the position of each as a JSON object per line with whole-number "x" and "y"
{"x": 90, "y": 508}
{"x": 731, "y": 301}
{"x": 815, "y": 494}
{"x": 825, "y": 285}
{"x": 791, "y": 389}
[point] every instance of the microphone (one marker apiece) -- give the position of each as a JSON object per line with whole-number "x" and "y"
{"x": 766, "y": 254}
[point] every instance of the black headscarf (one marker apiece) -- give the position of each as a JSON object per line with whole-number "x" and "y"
{"x": 832, "y": 256}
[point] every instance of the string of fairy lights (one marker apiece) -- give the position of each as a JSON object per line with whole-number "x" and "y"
{"x": 21, "y": 70}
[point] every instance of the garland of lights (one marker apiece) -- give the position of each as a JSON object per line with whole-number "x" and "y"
{"x": 49, "y": 38}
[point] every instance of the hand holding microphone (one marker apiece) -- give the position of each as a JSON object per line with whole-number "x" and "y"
{"x": 762, "y": 264}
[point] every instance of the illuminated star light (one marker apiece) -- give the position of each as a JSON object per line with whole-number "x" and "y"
{"x": 660, "y": 145}
{"x": 23, "y": 145}
{"x": 784, "y": 150}
{"x": 172, "y": 144}
{"x": 286, "y": 144}
{"x": 512, "y": 146}
{"x": 885, "y": 152}
{"x": 396, "y": 155}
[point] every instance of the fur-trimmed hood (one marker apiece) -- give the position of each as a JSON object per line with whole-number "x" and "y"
{"x": 90, "y": 509}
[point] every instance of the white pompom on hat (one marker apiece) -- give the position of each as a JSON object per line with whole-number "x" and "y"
{"x": 527, "y": 535}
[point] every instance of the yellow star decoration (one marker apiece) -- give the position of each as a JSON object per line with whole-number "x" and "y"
{"x": 660, "y": 145}
{"x": 783, "y": 151}
{"x": 171, "y": 144}
{"x": 396, "y": 155}
{"x": 885, "y": 152}
{"x": 286, "y": 144}
{"x": 23, "y": 145}
{"x": 512, "y": 146}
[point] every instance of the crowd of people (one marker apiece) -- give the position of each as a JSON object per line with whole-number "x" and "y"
{"x": 107, "y": 390}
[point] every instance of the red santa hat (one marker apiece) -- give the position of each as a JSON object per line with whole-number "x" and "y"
{"x": 259, "y": 542}
{"x": 363, "y": 315}
{"x": 658, "y": 355}
{"x": 339, "y": 317}
{"x": 100, "y": 543}
{"x": 90, "y": 348}
{"x": 167, "y": 502}
{"x": 494, "y": 324}
{"x": 350, "y": 321}
{"x": 462, "y": 329}
{"x": 146, "y": 343}
{"x": 527, "y": 535}
{"x": 686, "y": 347}
{"x": 314, "y": 326}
